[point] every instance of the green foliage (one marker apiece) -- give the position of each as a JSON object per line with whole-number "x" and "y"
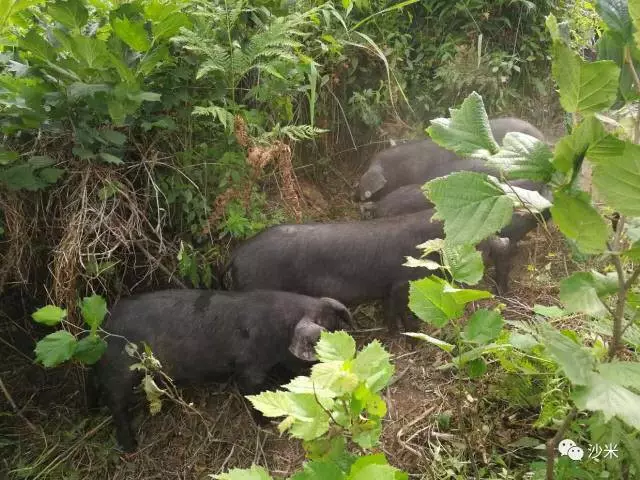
{"x": 339, "y": 400}
{"x": 60, "y": 346}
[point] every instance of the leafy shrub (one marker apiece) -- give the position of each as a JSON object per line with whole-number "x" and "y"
{"x": 595, "y": 378}
{"x": 339, "y": 404}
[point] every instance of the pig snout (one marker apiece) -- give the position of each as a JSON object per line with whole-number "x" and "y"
{"x": 367, "y": 210}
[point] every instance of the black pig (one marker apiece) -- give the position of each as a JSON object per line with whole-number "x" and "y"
{"x": 410, "y": 198}
{"x": 420, "y": 161}
{"x": 201, "y": 334}
{"x": 353, "y": 262}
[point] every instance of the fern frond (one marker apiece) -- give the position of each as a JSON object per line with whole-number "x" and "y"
{"x": 295, "y": 133}
{"x": 224, "y": 116}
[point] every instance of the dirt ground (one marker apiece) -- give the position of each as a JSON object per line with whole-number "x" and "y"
{"x": 52, "y": 436}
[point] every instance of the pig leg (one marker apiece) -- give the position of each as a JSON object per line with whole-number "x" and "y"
{"x": 119, "y": 405}
{"x": 251, "y": 382}
{"x": 395, "y": 308}
{"x": 502, "y": 253}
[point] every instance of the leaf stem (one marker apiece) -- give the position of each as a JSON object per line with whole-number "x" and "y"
{"x": 632, "y": 69}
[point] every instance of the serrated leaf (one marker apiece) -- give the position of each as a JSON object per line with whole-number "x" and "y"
{"x": 51, "y": 175}
{"x": 570, "y": 149}
{"x": 272, "y": 404}
{"x": 578, "y": 220}
{"x": 114, "y": 137}
{"x": 422, "y": 263}
{"x": 49, "y": 315}
{"x": 93, "y": 309}
{"x": 90, "y": 349}
{"x": 549, "y": 312}
{"x": 575, "y": 361}
{"x": 21, "y": 177}
{"x": 611, "y": 399}
{"x": 302, "y": 384}
{"x": 55, "y": 348}
{"x": 581, "y": 292}
{"x": 254, "y": 473}
{"x": 523, "y": 156}
{"x": 335, "y": 346}
{"x": 467, "y": 132}
{"x": 372, "y": 365}
{"x": 367, "y": 435}
{"x": 625, "y": 374}
{"x": 585, "y": 87}
{"x": 112, "y": 159}
{"x": 318, "y": 470}
{"x": 429, "y": 302}
{"x": 333, "y": 377}
{"x": 615, "y": 14}
{"x": 616, "y": 174}
{"x": 70, "y": 13}
{"x": 471, "y": 206}
{"x": 530, "y": 200}
{"x": 447, "y": 347}
{"x": 476, "y": 367}
{"x": 7, "y": 157}
{"x": 464, "y": 263}
{"x": 92, "y": 51}
{"x": 132, "y": 33}
{"x": 466, "y": 295}
{"x": 372, "y": 467}
{"x": 483, "y": 326}
{"x": 37, "y": 46}
{"x": 169, "y": 26}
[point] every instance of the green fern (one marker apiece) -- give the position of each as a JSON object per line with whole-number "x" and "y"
{"x": 295, "y": 133}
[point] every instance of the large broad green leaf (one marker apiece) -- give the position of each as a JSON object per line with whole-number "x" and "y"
{"x": 523, "y": 199}
{"x": 132, "y": 33}
{"x": 169, "y": 26}
{"x": 374, "y": 467}
{"x": 581, "y": 292}
{"x": 35, "y": 45}
{"x": 79, "y": 90}
{"x": 471, "y": 206}
{"x": 549, "y": 312}
{"x": 93, "y": 309}
{"x": 523, "y": 156}
{"x": 483, "y": 326}
{"x": 464, "y": 262}
{"x": 476, "y": 367}
{"x": 335, "y": 346}
{"x": 570, "y": 149}
{"x": 306, "y": 385}
{"x": 91, "y": 51}
{"x": 305, "y": 417}
{"x": 625, "y": 374}
{"x": 319, "y": 470}
{"x": 585, "y": 88}
{"x": 615, "y": 14}
{"x": 575, "y": 361}
{"x": 22, "y": 177}
{"x": 634, "y": 13}
{"x": 49, "y": 315}
{"x": 333, "y": 377}
{"x": 372, "y": 365}
{"x": 9, "y": 8}
{"x": 616, "y": 174}
{"x": 254, "y": 473}
{"x": 70, "y": 13}
{"x": 611, "y": 399}
{"x": 578, "y": 220}
{"x": 429, "y": 302}
{"x": 467, "y": 132}
{"x": 90, "y": 349}
{"x": 55, "y": 348}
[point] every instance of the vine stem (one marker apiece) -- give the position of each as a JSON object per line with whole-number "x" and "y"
{"x": 553, "y": 443}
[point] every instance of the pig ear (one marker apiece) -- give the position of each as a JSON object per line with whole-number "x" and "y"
{"x": 341, "y": 310}
{"x": 372, "y": 182}
{"x": 305, "y": 336}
